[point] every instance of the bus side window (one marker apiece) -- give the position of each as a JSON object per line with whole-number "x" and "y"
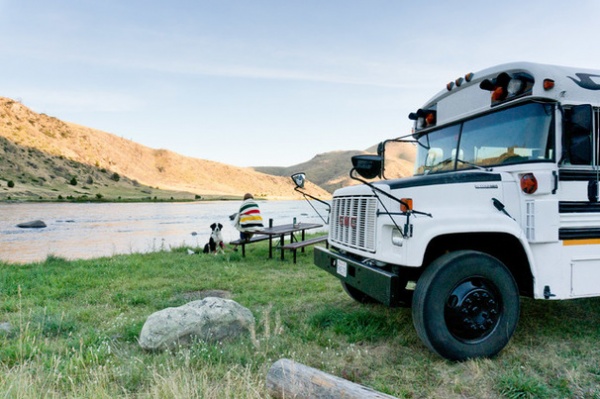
{"x": 577, "y": 131}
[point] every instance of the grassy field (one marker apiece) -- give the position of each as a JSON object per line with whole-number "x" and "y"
{"x": 75, "y": 326}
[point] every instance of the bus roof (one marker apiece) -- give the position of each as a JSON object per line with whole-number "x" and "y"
{"x": 474, "y": 93}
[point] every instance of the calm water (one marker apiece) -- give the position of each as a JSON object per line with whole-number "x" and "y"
{"x": 77, "y": 231}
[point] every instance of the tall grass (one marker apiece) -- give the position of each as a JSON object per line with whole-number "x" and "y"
{"x": 75, "y": 326}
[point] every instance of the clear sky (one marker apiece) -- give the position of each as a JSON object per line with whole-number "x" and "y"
{"x": 269, "y": 82}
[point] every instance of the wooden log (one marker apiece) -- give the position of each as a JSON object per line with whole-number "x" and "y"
{"x": 287, "y": 379}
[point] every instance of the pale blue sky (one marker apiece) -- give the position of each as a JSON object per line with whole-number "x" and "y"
{"x": 266, "y": 82}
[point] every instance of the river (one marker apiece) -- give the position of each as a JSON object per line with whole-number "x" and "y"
{"x": 91, "y": 230}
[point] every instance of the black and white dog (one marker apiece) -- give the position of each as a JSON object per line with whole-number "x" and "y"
{"x": 215, "y": 244}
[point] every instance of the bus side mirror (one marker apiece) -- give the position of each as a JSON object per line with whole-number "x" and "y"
{"x": 299, "y": 179}
{"x": 367, "y": 166}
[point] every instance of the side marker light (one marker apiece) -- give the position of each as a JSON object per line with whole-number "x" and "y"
{"x": 529, "y": 184}
{"x": 548, "y": 84}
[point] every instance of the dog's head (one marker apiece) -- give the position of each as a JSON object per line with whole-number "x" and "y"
{"x": 216, "y": 227}
{"x": 216, "y": 232}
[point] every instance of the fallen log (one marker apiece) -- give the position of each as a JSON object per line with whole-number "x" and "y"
{"x": 288, "y": 379}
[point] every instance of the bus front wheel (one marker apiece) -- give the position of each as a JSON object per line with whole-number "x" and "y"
{"x": 466, "y": 305}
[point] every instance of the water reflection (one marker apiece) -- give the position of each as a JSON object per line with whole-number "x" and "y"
{"x": 77, "y": 231}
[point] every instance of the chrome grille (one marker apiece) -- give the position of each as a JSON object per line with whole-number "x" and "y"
{"x": 353, "y": 222}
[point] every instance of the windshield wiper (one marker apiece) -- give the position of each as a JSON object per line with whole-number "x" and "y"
{"x": 446, "y": 161}
{"x": 488, "y": 169}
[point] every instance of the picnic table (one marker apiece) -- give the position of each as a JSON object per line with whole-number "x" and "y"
{"x": 295, "y": 246}
{"x": 287, "y": 229}
{"x": 274, "y": 232}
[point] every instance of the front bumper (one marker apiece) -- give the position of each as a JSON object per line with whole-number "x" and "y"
{"x": 380, "y": 285}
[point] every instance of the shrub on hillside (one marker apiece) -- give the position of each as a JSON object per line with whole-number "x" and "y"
{"x": 10, "y": 184}
{"x": 73, "y": 181}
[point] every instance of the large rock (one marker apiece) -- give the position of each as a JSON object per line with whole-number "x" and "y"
{"x": 5, "y": 328}
{"x": 35, "y": 224}
{"x": 210, "y": 319}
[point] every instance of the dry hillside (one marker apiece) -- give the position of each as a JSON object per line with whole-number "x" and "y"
{"x": 43, "y": 157}
{"x": 331, "y": 170}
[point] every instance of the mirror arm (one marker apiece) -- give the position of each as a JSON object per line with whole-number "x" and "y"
{"x": 318, "y": 200}
{"x": 398, "y": 200}
{"x": 314, "y": 198}
{"x": 352, "y": 176}
{"x": 375, "y": 190}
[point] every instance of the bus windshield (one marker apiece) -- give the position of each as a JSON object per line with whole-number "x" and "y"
{"x": 519, "y": 134}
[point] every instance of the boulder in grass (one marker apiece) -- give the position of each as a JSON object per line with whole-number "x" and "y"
{"x": 34, "y": 224}
{"x": 210, "y": 319}
{"x": 5, "y": 328}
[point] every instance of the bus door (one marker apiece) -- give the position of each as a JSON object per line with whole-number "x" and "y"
{"x": 579, "y": 159}
{"x": 579, "y": 204}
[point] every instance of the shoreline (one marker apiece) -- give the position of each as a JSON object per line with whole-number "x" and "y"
{"x": 134, "y": 201}
{"x": 80, "y": 200}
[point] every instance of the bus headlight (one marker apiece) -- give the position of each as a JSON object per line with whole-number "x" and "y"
{"x": 397, "y": 238}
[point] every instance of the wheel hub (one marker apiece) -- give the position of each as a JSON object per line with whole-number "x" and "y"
{"x": 472, "y": 310}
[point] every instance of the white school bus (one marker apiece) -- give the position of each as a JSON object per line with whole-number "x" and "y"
{"x": 503, "y": 203}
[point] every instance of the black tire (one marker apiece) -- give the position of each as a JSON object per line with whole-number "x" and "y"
{"x": 466, "y": 305}
{"x": 357, "y": 295}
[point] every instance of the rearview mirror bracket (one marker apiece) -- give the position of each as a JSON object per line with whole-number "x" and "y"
{"x": 299, "y": 179}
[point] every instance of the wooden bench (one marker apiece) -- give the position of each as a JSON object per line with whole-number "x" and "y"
{"x": 252, "y": 240}
{"x": 294, "y": 246}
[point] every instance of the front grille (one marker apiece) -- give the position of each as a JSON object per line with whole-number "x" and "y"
{"x": 353, "y": 222}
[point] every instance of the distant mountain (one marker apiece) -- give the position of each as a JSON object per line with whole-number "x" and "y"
{"x": 330, "y": 170}
{"x": 44, "y": 158}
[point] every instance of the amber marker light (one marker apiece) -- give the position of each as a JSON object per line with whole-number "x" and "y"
{"x": 529, "y": 184}
{"x": 406, "y": 204}
{"x": 498, "y": 94}
{"x": 430, "y": 119}
{"x": 548, "y": 84}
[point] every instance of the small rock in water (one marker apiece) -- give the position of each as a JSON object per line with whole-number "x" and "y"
{"x": 35, "y": 224}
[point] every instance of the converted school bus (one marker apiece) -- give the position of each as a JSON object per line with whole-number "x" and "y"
{"x": 503, "y": 203}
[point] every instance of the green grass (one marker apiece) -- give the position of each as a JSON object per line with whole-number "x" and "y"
{"x": 75, "y": 326}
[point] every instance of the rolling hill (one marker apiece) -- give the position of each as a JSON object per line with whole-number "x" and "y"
{"x": 44, "y": 158}
{"x": 331, "y": 170}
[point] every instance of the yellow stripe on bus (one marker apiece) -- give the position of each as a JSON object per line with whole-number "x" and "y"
{"x": 585, "y": 241}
